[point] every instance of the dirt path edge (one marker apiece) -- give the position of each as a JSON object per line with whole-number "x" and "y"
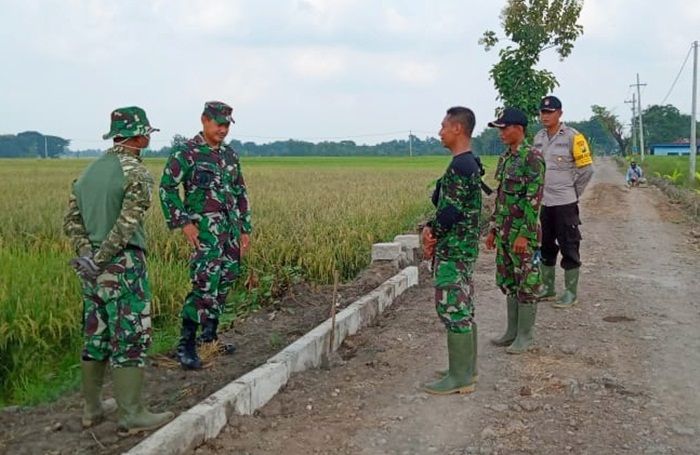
{"x": 250, "y": 392}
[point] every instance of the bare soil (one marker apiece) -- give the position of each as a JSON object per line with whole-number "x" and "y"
{"x": 55, "y": 429}
{"x": 618, "y": 373}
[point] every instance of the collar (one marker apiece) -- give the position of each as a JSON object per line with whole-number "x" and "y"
{"x": 120, "y": 150}
{"x": 199, "y": 140}
{"x": 523, "y": 150}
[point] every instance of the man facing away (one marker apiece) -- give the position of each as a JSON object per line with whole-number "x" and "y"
{"x": 104, "y": 223}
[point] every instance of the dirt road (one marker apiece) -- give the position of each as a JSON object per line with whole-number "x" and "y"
{"x": 619, "y": 373}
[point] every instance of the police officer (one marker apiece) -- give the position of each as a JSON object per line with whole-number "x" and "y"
{"x": 104, "y": 222}
{"x": 215, "y": 219}
{"x": 569, "y": 170}
{"x": 514, "y": 229}
{"x": 451, "y": 239}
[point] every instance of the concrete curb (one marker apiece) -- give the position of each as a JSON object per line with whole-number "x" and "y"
{"x": 251, "y": 391}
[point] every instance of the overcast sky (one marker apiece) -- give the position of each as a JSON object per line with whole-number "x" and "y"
{"x": 366, "y": 70}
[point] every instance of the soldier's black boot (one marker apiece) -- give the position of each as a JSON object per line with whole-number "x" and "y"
{"x": 187, "y": 348}
{"x": 209, "y": 335}
{"x": 209, "y": 328}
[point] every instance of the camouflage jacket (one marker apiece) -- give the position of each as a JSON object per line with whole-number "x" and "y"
{"x": 520, "y": 178}
{"x": 457, "y": 199}
{"x": 108, "y": 204}
{"x": 213, "y": 183}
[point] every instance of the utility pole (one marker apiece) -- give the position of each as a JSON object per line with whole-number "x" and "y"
{"x": 46, "y": 148}
{"x": 633, "y": 102}
{"x": 641, "y": 124}
{"x": 693, "y": 112}
{"x": 410, "y": 143}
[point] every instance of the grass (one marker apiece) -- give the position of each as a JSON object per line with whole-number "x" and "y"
{"x": 310, "y": 216}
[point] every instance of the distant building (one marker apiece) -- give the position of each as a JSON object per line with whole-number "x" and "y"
{"x": 671, "y": 149}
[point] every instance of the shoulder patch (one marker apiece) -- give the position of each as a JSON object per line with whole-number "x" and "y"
{"x": 581, "y": 151}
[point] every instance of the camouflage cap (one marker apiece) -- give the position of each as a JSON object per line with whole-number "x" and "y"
{"x": 218, "y": 111}
{"x": 129, "y": 122}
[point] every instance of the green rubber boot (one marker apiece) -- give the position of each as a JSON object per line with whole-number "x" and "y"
{"x": 443, "y": 373}
{"x": 512, "y": 328}
{"x": 569, "y": 297}
{"x": 133, "y": 416}
{"x": 548, "y": 291}
{"x": 94, "y": 409}
{"x": 460, "y": 379}
{"x": 475, "y": 375}
{"x": 526, "y": 324}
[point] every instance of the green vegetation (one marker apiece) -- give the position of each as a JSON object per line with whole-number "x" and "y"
{"x": 531, "y": 27}
{"x": 672, "y": 168}
{"x": 311, "y": 216}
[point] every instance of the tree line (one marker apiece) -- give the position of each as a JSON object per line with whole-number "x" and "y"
{"x": 605, "y": 132}
{"x": 32, "y": 144}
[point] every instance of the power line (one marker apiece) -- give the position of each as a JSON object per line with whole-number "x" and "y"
{"x": 677, "y": 76}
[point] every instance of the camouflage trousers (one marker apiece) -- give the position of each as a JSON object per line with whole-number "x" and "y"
{"x": 214, "y": 268}
{"x": 117, "y": 312}
{"x": 454, "y": 294}
{"x": 517, "y": 274}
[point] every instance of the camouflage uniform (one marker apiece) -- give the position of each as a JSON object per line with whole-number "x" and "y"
{"x": 216, "y": 202}
{"x": 457, "y": 198}
{"x": 104, "y": 221}
{"x": 520, "y": 178}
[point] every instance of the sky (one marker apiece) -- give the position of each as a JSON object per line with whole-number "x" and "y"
{"x": 362, "y": 70}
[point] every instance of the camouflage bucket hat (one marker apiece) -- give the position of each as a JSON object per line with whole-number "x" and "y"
{"x": 218, "y": 111}
{"x": 129, "y": 122}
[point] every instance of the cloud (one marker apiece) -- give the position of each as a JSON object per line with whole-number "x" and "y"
{"x": 418, "y": 73}
{"x": 317, "y": 63}
{"x": 395, "y": 21}
{"x": 211, "y": 16}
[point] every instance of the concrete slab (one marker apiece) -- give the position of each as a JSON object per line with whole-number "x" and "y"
{"x": 251, "y": 391}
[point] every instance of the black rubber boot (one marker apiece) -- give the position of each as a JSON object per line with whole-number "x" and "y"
{"x": 187, "y": 348}
{"x": 209, "y": 331}
{"x": 210, "y": 335}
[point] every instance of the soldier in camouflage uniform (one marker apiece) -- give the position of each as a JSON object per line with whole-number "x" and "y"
{"x": 215, "y": 219}
{"x": 104, "y": 222}
{"x": 451, "y": 239}
{"x": 514, "y": 229}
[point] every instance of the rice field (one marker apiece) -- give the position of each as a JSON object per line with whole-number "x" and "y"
{"x": 672, "y": 168}
{"x": 310, "y": 216}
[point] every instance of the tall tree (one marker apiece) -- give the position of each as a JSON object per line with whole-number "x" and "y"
{"x": 612, "y": 125}
{"x": 665, "y": 124}
{"x": 532, "y": 26}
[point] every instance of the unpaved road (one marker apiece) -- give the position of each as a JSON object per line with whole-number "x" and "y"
{"x": 591, "y": 386}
